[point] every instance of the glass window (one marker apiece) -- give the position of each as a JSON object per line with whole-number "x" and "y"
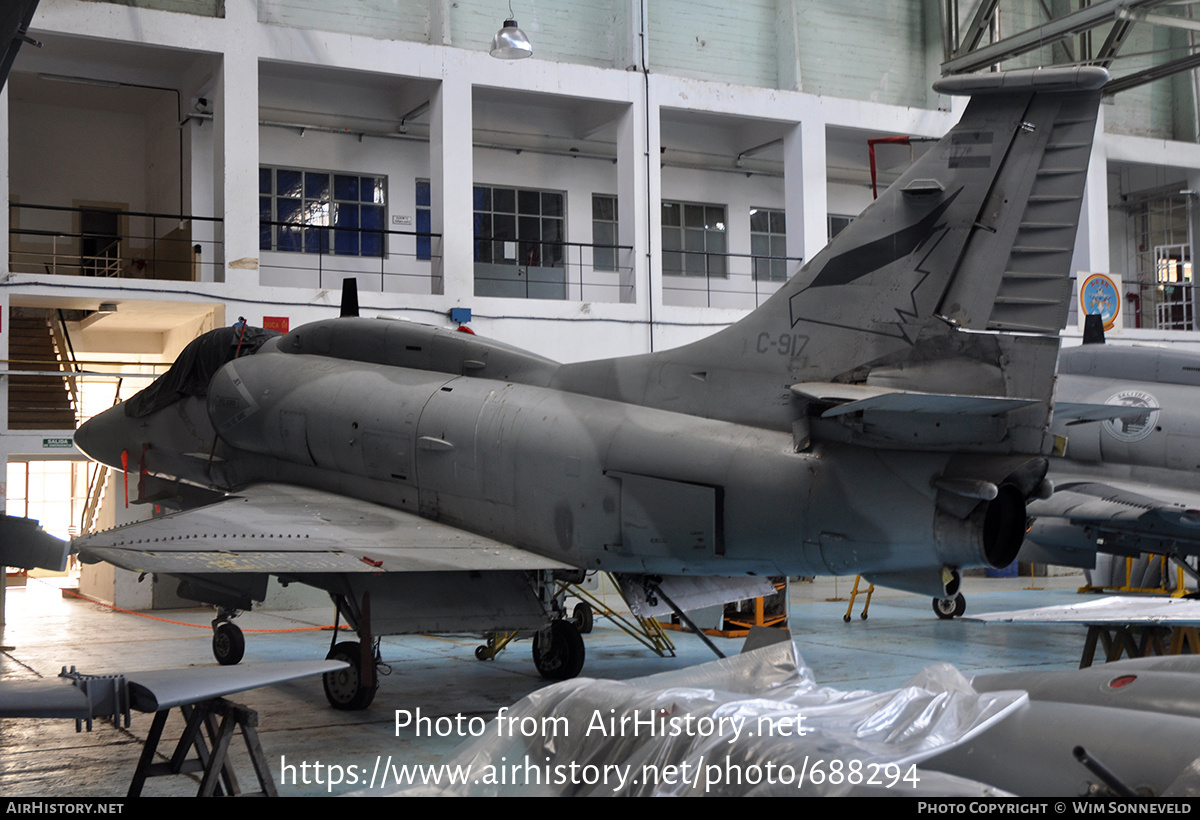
{"x": 768, "y": 244}
{"x": 837, "y": 223}
{"x": 306, "y": 211}
{"x": 519, "y": 227}
{"x": 424, "y": 220}
{"x": 693, "y": 238}
{"x": 604, "y": 232}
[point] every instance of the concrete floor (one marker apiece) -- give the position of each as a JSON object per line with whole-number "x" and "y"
{"x": 440, "y": 675}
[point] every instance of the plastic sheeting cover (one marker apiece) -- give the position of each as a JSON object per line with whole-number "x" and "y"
{"x": 730, "y": 727}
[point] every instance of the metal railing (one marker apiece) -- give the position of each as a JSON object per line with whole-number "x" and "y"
{"x": 564, "y": 271}
{"x": 726, "y": 280}
{"x": 66, "y": 357}
{"x": 321, "y": 256}
{"x": 49, "y": 239}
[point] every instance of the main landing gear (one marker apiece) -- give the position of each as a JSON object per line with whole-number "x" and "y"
{"x": 228, "y": 642}
{"x": 354, "y": 687}
{"x": 558, "y": 650}
{"x": 345, "y": 689}
{"x": 950, "y": 608}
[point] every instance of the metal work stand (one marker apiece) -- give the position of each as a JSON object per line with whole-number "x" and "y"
{"x": 1138, "y": 641}
{"x": 211, "y": 744}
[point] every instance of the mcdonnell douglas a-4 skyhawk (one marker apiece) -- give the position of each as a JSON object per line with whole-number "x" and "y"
{"x": 884, "y": 413}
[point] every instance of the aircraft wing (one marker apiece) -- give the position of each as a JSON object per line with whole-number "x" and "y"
{"x": 1128, "y": 516}
{"x": 1114, "y": 609}
{"x": 68, "y": 696}
{"x": 277, "y": 528}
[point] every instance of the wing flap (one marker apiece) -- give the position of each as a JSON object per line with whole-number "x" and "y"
{"x": 277, "y": 528}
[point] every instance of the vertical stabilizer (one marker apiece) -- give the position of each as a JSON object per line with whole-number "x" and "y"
{"x": 976, "y": 235}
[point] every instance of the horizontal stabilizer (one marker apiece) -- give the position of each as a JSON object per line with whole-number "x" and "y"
{"x": 1119, "y": 517}
{"x": 1078, "y": 412}
{"x": 854, "y": 398}
{"x": 1111, "y": 610}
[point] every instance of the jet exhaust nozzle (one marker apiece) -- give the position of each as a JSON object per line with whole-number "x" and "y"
{"x": 990, "y": 536}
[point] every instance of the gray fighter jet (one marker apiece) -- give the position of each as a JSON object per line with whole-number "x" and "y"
{"x": 1127, "y": 484}
{"x": 885, "y": 413}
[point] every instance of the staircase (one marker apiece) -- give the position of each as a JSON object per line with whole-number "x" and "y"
{"x": 36, "y": 402}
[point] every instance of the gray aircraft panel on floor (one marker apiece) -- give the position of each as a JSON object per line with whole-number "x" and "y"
{"x": 716, "y": 459}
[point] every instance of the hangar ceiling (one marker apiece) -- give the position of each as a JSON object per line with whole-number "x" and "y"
{"x": 1078, "y": 32}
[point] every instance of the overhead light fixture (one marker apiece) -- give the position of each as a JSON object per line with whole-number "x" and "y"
{"x": 510, "y": 43}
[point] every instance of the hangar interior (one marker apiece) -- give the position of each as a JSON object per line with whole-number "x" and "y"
{"x": 655, "y": 171}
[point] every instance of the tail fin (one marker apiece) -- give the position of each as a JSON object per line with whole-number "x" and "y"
{"x": 978, "y": 235}
{"x": 979, "y": 231}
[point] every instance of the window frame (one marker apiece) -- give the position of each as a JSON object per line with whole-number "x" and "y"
{"x": 692, "y": 225}
{"x": 490, "y": 207}
{"x": 605, "y": 254}
{"x": 319, "y": 207}
{"x": 769, "y": 264}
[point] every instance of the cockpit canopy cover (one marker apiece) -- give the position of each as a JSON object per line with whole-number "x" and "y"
{"x": 196, "y": 366}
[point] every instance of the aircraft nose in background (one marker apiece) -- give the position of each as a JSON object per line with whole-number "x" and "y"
{"x": 103, "y": 437}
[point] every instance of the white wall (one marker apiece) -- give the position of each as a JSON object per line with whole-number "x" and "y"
{"x": 58, "y": 156}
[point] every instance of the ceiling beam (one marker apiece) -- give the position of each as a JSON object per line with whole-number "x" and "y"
{"x": 1151, "y": 74}
{"x": 1045, "y": 34}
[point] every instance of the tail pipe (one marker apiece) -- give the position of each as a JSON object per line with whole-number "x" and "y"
{"x": 990, "y": 535}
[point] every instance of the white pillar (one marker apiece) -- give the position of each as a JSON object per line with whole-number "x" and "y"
{"x": 806, "y": 194}
{"x": 451, "y": 186}
{"x": 633, "y": 207}
{"x": 653, "y": 195}
{"x": 235, "y": 165}
{"x": 200, "y": 176}
{"x": 1091, "y": 243}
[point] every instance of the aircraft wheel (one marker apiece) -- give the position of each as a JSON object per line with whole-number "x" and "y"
{"x": 228, "y": 643}
{"x": 343, "y": 688}
{"x": 558, "y": 651}
{"x": 481, "y": 654}
{"x": 950, "y": 608}
{"x": 582, "y": 617}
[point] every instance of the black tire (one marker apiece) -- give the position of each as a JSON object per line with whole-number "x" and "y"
{"x": 950, "y": 608}
{"x": 481, "y": 654}
{"x": 558, "y": 651}
{"x": 583, "y": 617}
{"x": 343, "y": 688}
{"x": 228, "y": 644}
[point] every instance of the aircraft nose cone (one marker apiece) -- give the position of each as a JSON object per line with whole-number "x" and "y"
{"x": 103, "y": 437}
